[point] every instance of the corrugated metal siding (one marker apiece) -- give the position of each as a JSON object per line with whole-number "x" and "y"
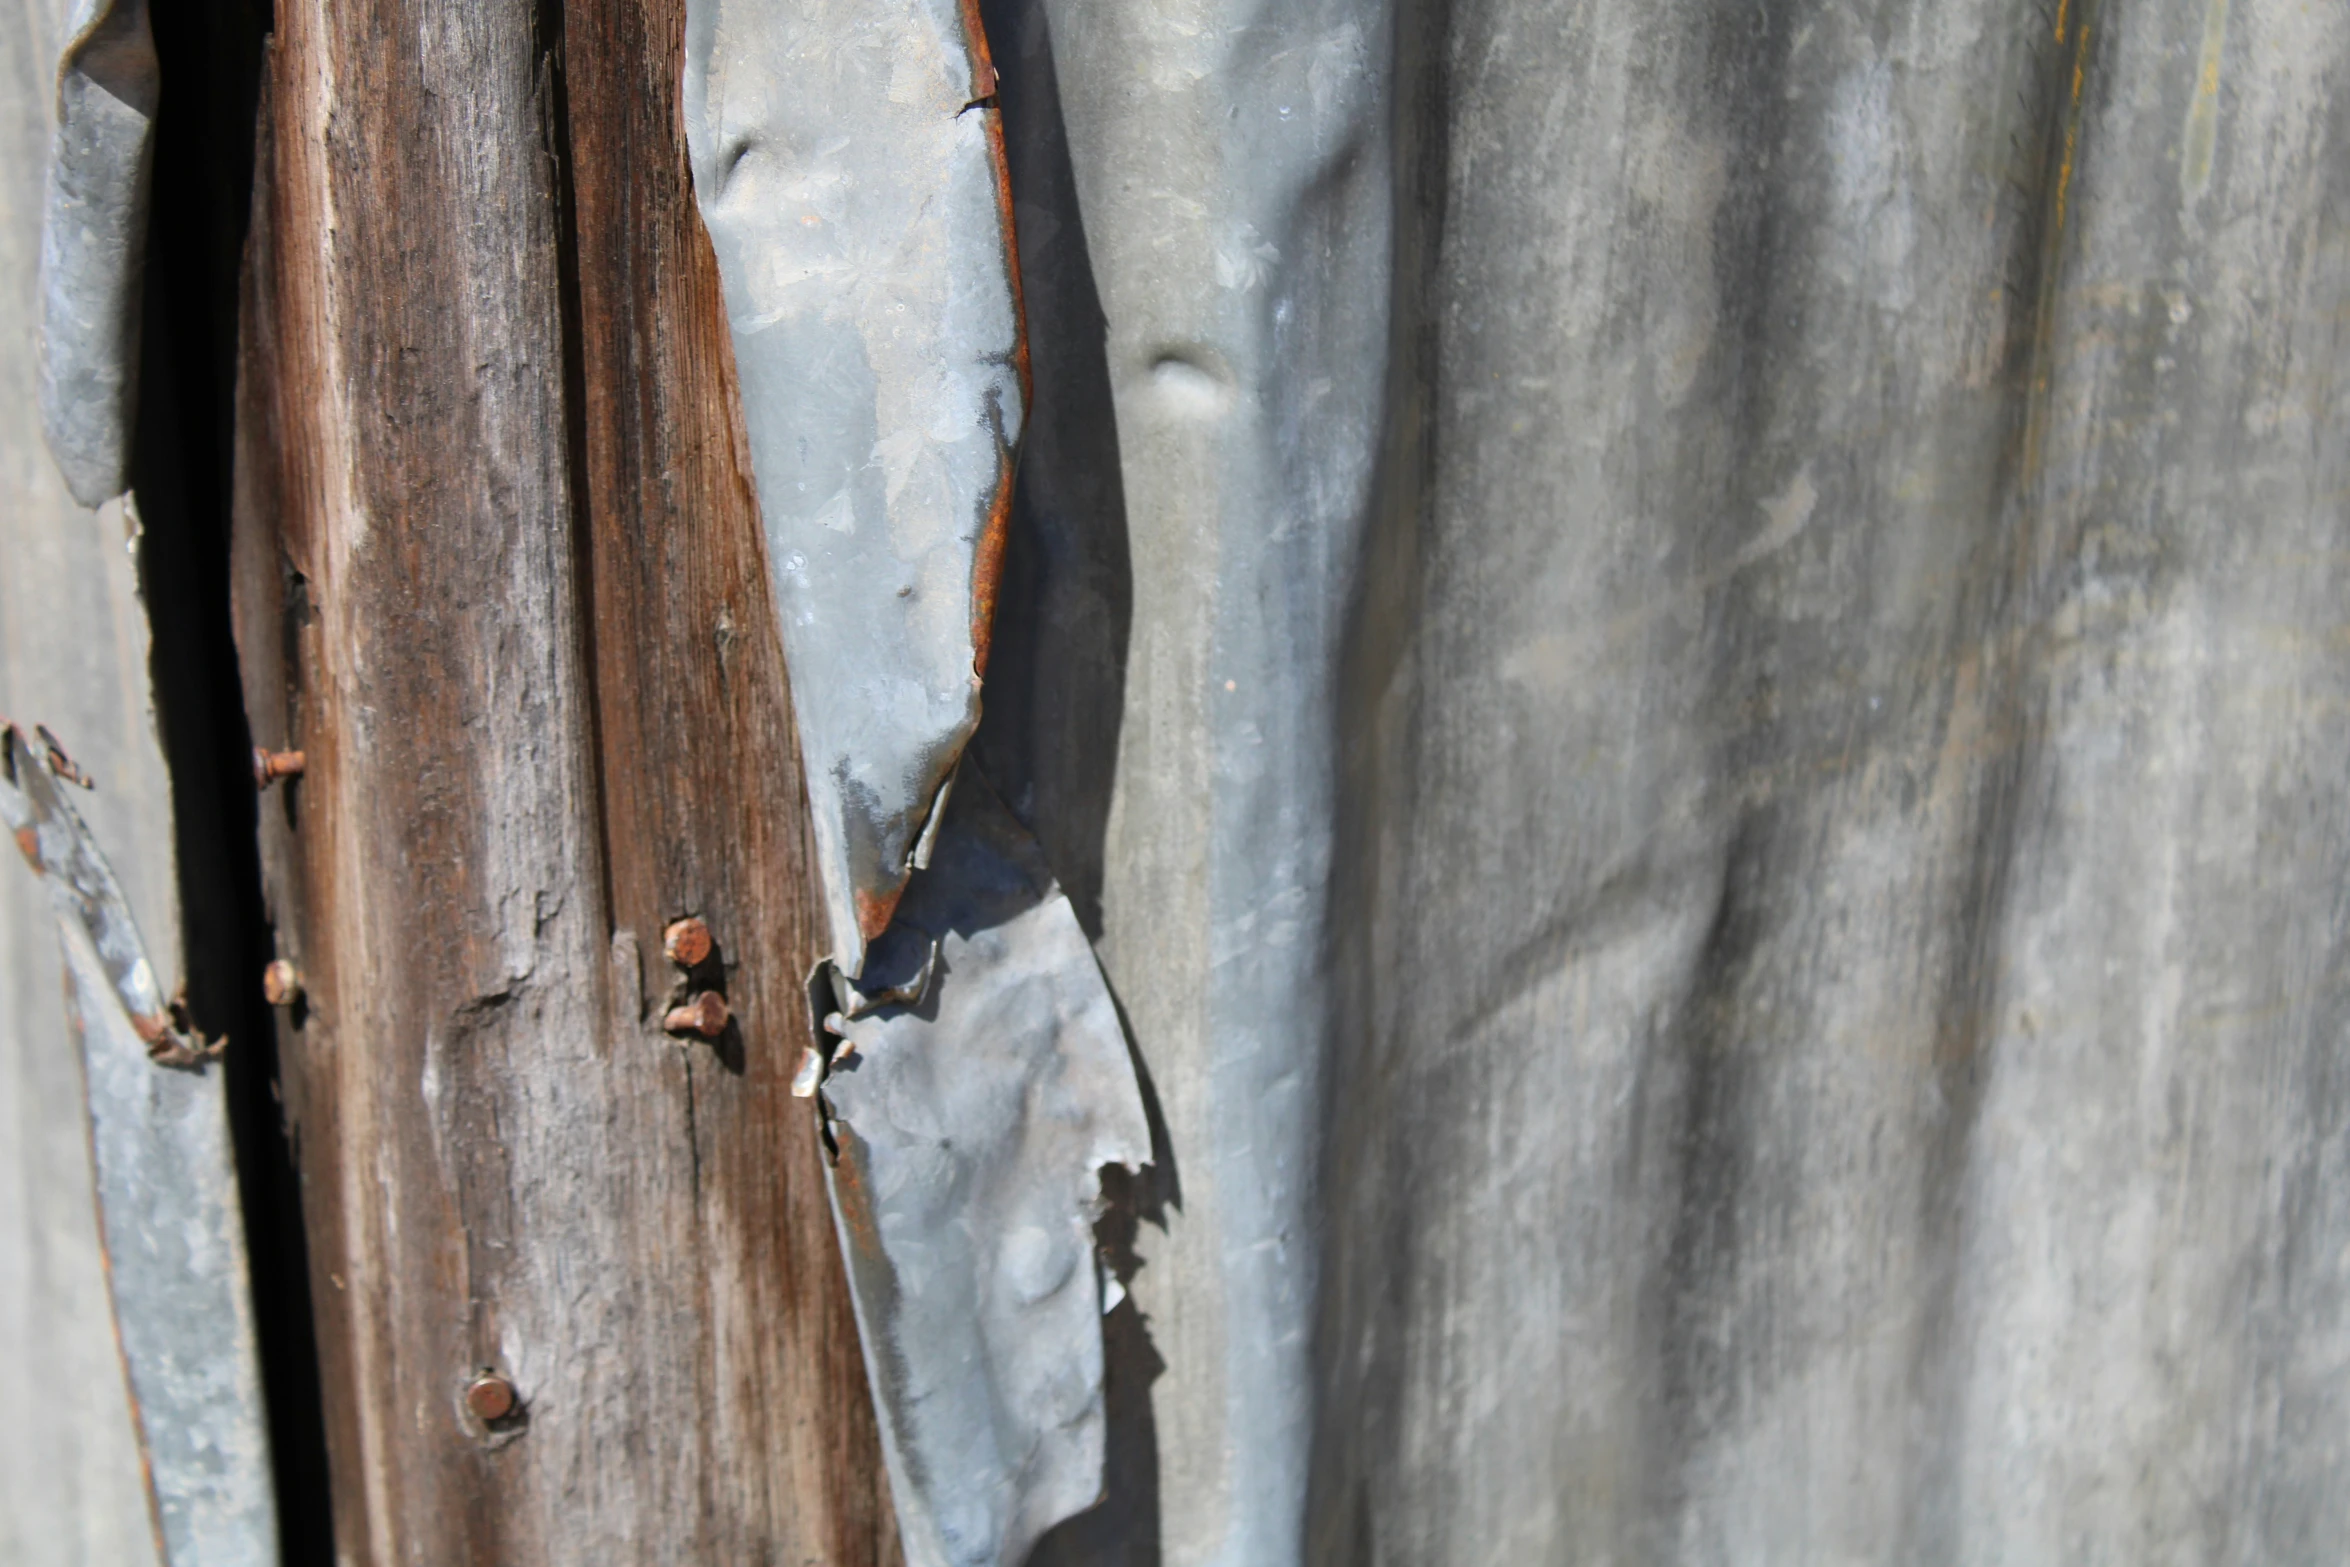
{"x": 1727, "y": 826}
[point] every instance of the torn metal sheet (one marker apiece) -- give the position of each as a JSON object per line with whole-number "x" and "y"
{"x": 167, "y": 1193}
{"x": 849, "y": 164}
{"x": 93, "y": 239}
{"x": 848, "y": 161}
{"x": 973, "y": 1110}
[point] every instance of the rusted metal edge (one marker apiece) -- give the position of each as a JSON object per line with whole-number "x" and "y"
{"x": 171, "y": 1230}
{"x": 93, "y": 243}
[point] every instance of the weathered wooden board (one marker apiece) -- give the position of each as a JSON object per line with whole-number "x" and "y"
{"x": 499, "y": 578}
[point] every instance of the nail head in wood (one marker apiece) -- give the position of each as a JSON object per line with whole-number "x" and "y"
{"x": 491, "y": 1398}
{"x": 281, "y": 983}
{"x": 705, "y": 1014}
{"x": 687, "y": 942}
{"x": 270, "y": 766}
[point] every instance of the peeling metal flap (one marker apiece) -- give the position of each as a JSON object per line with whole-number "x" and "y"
{"x": 93, "y": 239}
{"x": 848, "y": 163}
{"x": 972, "y": 1127}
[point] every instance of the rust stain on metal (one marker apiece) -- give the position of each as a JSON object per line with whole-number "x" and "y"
{"x": 687, "y": 942}
{"x": 706, "y": 1014}
{"x": 173, "y": 1051}
{"x": 987, "y": 566}
{"x": 28, "y": 843}
{"x": 876, "y": 909}
{"x": 270, "y": 766}
{"x": 61, "y": 764}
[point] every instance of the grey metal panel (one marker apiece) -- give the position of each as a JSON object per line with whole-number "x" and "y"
{"x": 93, "y": 243}
{"x": 972, "y": 1123}
{"x": 848, "y": 164}
{"x": 1232, "y": 167}
{"x": 73, "y": 647}
{"x": 175, "y": 1251}
{"x": 89, "y": 903}
{"x": 1848, "y": 1070}
{"x": 91, "y": 1474}
{"x": 71, "y": 1489}
{"x": 166, "y": 1185}
{"x": 1726, "y": 827}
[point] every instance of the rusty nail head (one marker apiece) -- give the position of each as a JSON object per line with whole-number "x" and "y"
{"x": 270, "y": 766}
{"x": 281, "y": 983}
{"x": 491, "y": 1397}
{"x": 705, "y": 1014}
{"x": 687, "y": 942}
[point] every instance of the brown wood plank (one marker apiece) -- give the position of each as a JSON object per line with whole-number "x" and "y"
{"x": 703, "y": 795}
{"x": 498, "y": 577}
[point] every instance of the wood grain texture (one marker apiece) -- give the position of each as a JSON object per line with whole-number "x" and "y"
{"x": 703, "y": 792}
{"x": 498, "y": 576}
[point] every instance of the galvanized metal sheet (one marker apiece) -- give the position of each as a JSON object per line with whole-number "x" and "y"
{"x": 848, "y": 163}
{"x": 93, "y": 243}
{"x": 972, "y": 1113}
{"x": 1233, "y": 172}
{"x": 167, "y": 1193}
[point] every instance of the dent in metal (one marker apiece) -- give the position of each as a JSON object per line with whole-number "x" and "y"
{"x": 167, "y": 1195}
{"x": 849, "y": 167}
{"x": 979, "y": 1085}
{"x": 93, "y": 234}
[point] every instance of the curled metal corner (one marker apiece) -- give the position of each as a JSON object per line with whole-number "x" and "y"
{"x": 93, "y": 242}
{"x": 84, "y": 893}
{"x": 970, "y": 1124}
